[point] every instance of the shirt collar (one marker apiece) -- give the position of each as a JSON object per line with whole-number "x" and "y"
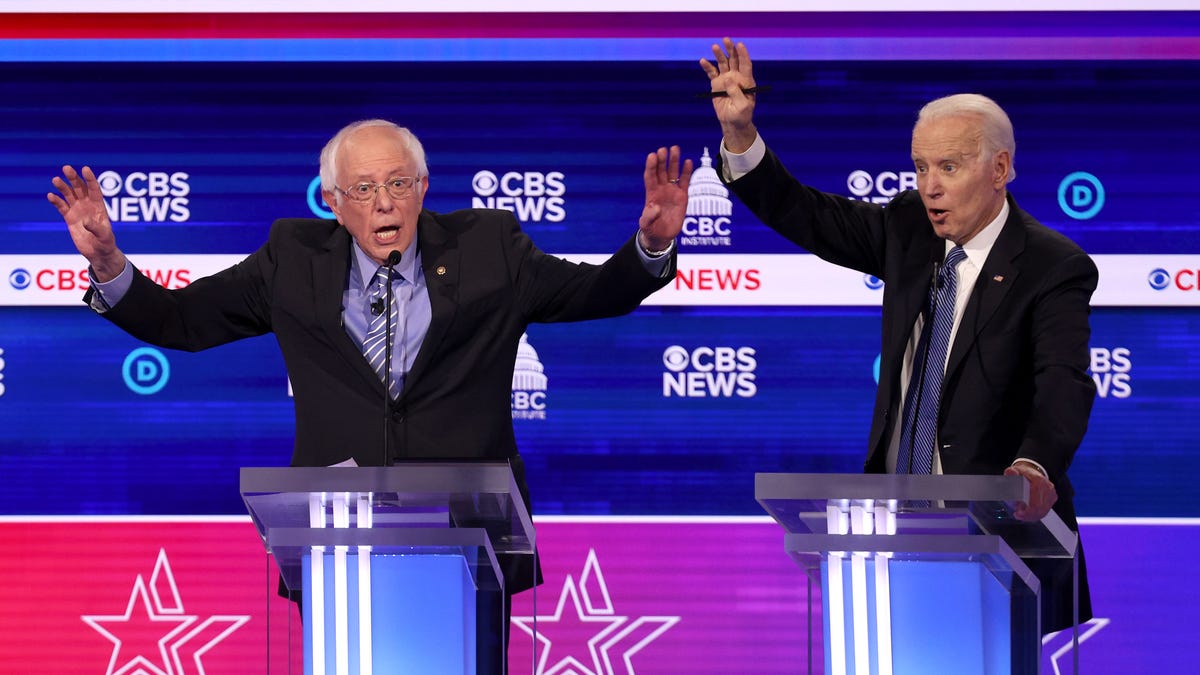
{"x": 980, "y": 245}
{"x": 363, "y": 268}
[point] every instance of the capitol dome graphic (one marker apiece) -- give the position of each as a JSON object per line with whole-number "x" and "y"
{"x": 706, "y": 195}
{"x": 528, "y": 371}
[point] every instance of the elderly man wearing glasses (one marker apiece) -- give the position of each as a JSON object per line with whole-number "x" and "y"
{"x": 460, "y": 289}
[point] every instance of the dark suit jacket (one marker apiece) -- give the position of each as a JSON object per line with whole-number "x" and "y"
{"x": 487, "y": 282}
{"x": 1016, "y": 383}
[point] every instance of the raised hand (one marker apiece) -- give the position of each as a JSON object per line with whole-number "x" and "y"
{"x": 666, "y": 198}
{"x": 81, "y": 205}
{"x": 732, "y": 73}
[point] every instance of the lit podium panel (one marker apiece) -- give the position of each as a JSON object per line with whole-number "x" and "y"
{"x": 919, "y": 574}
{"x": 394, "y": 562}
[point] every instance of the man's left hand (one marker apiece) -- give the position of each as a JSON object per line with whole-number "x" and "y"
{"x": 666, "y": 198}
{"x": 1042, "y": 494}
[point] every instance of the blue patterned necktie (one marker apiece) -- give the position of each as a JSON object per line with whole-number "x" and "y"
{"x": 375, "y": 346}
{"x": 919, "y": 431}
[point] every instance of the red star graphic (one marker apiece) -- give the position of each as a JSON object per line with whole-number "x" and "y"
{"x": 139, "y": 637}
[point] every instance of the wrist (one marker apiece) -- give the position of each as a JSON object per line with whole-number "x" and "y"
{"x": 108, "y": 268}
{"x": 652, "y": 247}
{"x": 738, "y": 139}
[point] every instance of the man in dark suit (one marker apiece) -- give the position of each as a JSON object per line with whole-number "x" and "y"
{"x": 466, "y": 284}
{"x": 1014, "y": 392}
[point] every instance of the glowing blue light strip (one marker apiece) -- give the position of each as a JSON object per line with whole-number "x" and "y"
{"x": 834, "y": 48}
{"x": 363, "y": 515}
{"x": 316, "y": 518}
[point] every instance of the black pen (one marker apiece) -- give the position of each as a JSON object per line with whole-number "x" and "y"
{"x": 745, "y": 90}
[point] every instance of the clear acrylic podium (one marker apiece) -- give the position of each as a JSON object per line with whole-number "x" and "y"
{"x": 394, "y": 562}
{"x": 919, "y": 574}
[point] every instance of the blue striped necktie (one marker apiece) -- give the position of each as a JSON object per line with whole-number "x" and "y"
{"x": 919, "y": 431}
{"x": 375, "y": 346}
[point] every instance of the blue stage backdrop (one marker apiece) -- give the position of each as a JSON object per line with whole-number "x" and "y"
{"x": 668, "y": 411}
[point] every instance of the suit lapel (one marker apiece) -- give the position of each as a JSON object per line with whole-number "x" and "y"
{"x": 440, "y": 258}
{"x": 998, "y": 275}
{"x": 329, "y": 273}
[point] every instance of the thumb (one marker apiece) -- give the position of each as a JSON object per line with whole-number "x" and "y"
{"x": 649, "y": 215}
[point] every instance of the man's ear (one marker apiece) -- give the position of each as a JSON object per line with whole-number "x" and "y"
{"x": 1002, "y": 167}
{"x": 331, "y": 199}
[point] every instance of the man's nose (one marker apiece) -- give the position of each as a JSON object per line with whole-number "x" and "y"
{"x": 929, "y": 186}
{"x": 383, "y": 201}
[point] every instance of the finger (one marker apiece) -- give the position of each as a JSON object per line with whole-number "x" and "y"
{"x": 709, "y": 69}
{"x": 733, "y": 55}
{"x": 648, "y": 175}
{"x": 685, "y": 178}
{"x": 61, "y": 185}
{"x": 673, "y": 164}
{"x": 661, "y": 175}
{"x": 720, "y": 58}
{"x": 743, "y": 58}
{"x": 77, "y": 186}
{"x": 90, "y": 180}
{"x": 58, "y": 203}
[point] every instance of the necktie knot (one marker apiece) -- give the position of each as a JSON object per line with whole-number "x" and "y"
{"x": 955, "y": 256}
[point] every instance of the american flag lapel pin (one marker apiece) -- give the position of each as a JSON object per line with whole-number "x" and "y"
{"x": 998, "y": 278}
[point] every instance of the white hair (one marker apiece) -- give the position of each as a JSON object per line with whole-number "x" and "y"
{"x": 996, "y": 127}
{"x": 330, "y": 151}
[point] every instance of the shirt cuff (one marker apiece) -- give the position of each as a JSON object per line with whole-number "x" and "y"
{"x": 735, "y": 166}
{"x": 1041, "y": 469}
{"x": 110, "y": 292}
{"x": 656, "y": 265}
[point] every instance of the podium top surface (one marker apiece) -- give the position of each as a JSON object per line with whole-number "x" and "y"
{"x": 415, "y": 495}
{"x": 926, "y": 505}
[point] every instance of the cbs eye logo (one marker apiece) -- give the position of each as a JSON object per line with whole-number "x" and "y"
{"x": 20, "y": 279}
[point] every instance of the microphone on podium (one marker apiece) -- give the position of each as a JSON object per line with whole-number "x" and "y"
{"x": 377, "y": 308}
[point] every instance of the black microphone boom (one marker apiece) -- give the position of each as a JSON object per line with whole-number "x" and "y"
{"x": 392, "y": 259}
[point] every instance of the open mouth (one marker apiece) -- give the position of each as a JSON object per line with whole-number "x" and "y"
{"x": 387, "y": 234}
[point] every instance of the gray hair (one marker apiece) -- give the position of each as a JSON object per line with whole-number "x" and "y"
{"x": 330, "y": 151}
{"x": 997, "y": 128}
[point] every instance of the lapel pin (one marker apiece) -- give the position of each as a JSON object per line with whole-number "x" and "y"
{"x": 998, "y": 278}
{"x": 440, "y": 271}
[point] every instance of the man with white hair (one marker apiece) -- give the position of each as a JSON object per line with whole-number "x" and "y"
{"x": 466, "y": 285}
{"x": 996, "y": 303}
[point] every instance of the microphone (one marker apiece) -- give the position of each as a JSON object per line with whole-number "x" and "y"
{"x": 392, "y": 259}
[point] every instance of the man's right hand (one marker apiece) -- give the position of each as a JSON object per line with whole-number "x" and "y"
{"x": 732, "y": 73}
{"x": 82, "y": 207}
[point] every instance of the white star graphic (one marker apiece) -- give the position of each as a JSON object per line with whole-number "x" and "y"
{"x": 151, "y": 642}
{"x": 610, "y": 634}
{"x": 1086, "y": 631}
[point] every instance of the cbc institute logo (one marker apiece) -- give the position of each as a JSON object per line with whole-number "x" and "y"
{"x": 528, "y": 384}
{"x": 707, "y": 221}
